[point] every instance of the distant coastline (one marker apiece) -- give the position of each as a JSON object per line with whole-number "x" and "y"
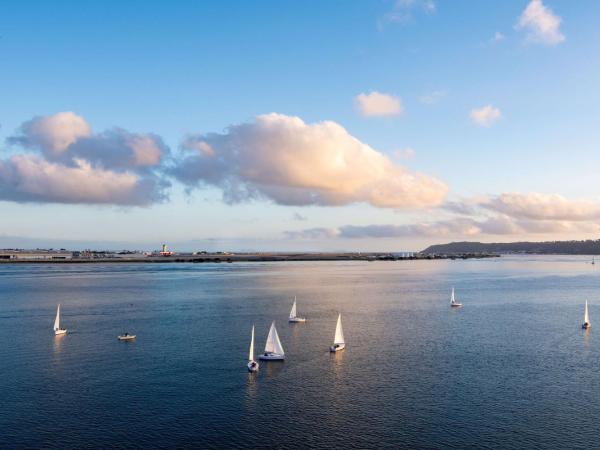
{"x": 65, "y": 257}
{"x": 586, "y": 247}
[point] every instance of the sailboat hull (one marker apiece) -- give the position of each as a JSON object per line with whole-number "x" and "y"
{"x": 586, "y": 326}
{"x": 252, "y": 366}
{"x": 60, "y": 332}
{"x": 337, "y": 348}
{"x": 297, "y": 320}
{"x": 456, "y": 305}
{"x": 271, "y": 357}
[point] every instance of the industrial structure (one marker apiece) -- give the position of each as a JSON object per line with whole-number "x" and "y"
{"x": 35, "y": 255}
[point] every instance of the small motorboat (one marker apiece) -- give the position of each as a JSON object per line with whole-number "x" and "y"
{"x": 273, "y": 348}
{"x": 57, "y": 329}
{"x": 338, "y": 341}
{"x": 127, "y": 337}
{"x": 294, "y": 317}
{"x": 252, "y": 364}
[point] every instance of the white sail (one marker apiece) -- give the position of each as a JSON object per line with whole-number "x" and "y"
{"x": 339, "y": 332}
{"x": 57, "y": 320}
{"x": 251, "y": 352}
{"x": 293, "y": 311}
{"x": 273, "y": 343}
{"x": 586, "y": 316}
{"x": 452, "y": 299}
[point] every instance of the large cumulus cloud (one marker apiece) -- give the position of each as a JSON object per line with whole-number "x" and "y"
{"x": 290, "y": 162}
{"x": 67, "y": 163}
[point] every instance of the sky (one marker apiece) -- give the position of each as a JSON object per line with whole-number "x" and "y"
{"x": 383, "y": 125}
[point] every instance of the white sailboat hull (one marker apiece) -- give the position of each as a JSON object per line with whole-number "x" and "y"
{"x": 252, "y": 366}
{"x": 297, "y": 320}
{"x": 268, "y": 356}
{"x": 59, "y": 332}
{"x": 456, "y": 305}
{"x": 337, "y": 348}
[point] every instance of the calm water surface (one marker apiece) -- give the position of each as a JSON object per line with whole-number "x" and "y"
{"x": 512, "y": 369}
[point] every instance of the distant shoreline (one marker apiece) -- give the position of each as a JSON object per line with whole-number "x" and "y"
{"x": 588, "y": 247}
{"x": 249, "y": 257}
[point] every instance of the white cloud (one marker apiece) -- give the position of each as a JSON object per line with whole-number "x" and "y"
{"x": 200, "y": 146}
{"x": 65, "y": 136}
{"x": 29, "y": 178}
{"x": 402, "y": 11}
{"x": 498, "y": 37}
{"x": 432, "y": 97}
{"x": 541, "y": 24}
{"x": 376, "y": 104}
{"x": 509, "y": 214}
{"x": 70, "y": 164}
{"x": 313, "y": 233}
{"x": 146, "y": 150}
{"x": 52, "y": 134}
{"x": 454, "y": 227}
{"x": 290, "y": 162}
{"x": 426, "y": 5}
{"x": 457, "y": 228}
{"x": 486, "y": 115}
{"x": 537, "y": 206}
{"x": 451, "y": 228}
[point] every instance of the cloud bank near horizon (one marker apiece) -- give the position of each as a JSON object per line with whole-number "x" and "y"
{"x": 507, "y": 214}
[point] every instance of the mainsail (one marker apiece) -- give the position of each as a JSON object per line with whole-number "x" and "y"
{"x": 586, "y": 316}
{"x": 273, "y": 343}
{"x": 339, "y": 332}
{"x": 293, "y": 311}
{"x": 452, "y": 299}
{"x": 251, "y": 352}
{"x": 57, "y": 320}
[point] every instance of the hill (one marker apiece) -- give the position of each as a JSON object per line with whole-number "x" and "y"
{"x": 588, "y": 247}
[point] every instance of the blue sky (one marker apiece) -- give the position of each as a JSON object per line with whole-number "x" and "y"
{"x": 186, "y": 69}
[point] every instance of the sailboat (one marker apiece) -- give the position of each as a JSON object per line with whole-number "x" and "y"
{"x": 273, "y": 348}
{"x": 453, "y": 302}
{"x": 586, "y": 318}
{"x": 252, "y": 365}
{"x": 338, "y": 341}
{"x": 593, "y": 261}
{"x": 293, "y": 316}
{"x": 57, "y": 330}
